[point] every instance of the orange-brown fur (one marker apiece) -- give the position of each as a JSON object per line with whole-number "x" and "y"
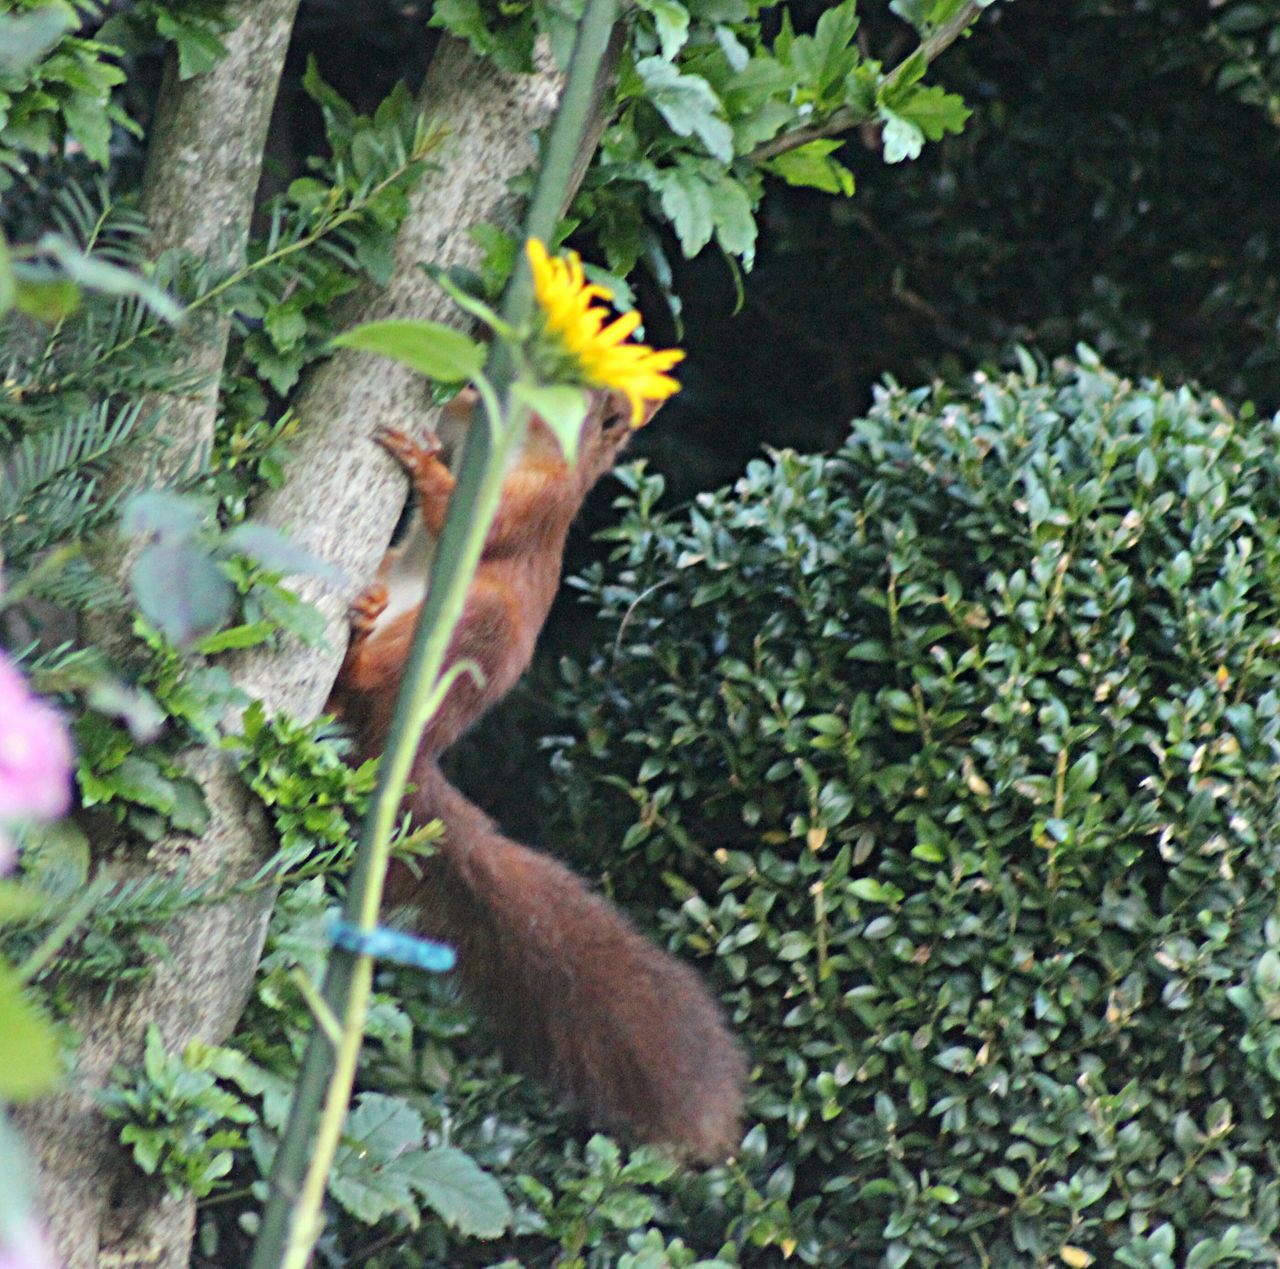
{"x": 627, "y": 1035}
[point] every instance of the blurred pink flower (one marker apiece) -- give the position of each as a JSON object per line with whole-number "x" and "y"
{"x": 25, "y": 1248}
{"x": 35, "y": 754}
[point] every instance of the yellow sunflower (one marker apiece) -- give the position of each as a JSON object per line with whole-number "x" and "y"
{"x": 598, "y": 353}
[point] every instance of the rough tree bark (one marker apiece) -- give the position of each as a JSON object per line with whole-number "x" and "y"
{"x": 341, "y": 500}
{"x": 201, "y": 180}
{"x": 343, "y": 494}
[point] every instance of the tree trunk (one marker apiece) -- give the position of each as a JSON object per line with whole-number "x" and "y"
{"x": 344, "y": 494}
{"x": 201, "y": 179}
{"x": 341, "y": 500}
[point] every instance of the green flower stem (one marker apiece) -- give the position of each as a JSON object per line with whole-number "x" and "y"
{"x": 292, "y": 1218}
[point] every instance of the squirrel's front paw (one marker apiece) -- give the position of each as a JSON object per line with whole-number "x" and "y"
{"x": 413, "y": 453}
{"x": 367, "y": 607}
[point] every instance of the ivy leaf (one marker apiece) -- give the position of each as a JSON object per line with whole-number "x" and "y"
{"x": 459, "y": 1191}
{"x": 689, "y": 105}
{"x": 28, "y": 1049}
{"x": 430, "y": 348}
{"x": 181, "y": 591}
{"x": 561, "y": 407}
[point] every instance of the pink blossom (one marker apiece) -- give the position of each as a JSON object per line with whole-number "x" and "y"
{"x": 24, "y": 1248}
{"x": 35, "y": 754}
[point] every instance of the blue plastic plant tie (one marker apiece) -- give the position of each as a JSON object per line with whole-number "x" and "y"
{"x": 393, "y": 945}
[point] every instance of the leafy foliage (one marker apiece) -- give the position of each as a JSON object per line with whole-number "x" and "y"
{"x": 178, "y": 1120}
{"x": 959, "y": 751}
{"x": 706, "y": 104}
{"x": 54, "y": 86}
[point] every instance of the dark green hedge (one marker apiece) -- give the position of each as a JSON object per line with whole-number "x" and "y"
{"x": 960, "y": 750}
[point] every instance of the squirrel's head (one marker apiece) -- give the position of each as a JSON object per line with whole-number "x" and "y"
{"x": 605, "y": 431}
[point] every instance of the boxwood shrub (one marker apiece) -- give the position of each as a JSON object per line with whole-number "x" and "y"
{"x": 958, "y": 752}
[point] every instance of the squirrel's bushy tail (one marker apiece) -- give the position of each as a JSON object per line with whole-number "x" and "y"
{"x": 627, "y": 1035}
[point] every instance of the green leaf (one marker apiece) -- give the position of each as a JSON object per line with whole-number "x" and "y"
{"x": 16, "y": 901}
{"x": 934, "y": 111}
{"x": 246, "y": 636}
{"x": 275, "y": 551}
{"x": 460, "y": 1191}
{"x": 689, "y": 105}
{"x": 29, "y": 1061}
{"x": 181, "y": 591}
{"x": 902, "y": 138}
{"x": 874, "y": 891}
{"x": 199, "y": 48}
{"x": 826, "y": 59}
{"x": 95, "y": 274}
{"x": 46, "y": 298}
{"x": 811, "y": 165}
{"x": 169, "y": 517}
{"x": 685, "y": 197}
{"x": 26, "y": 37}
{"x": 8, "y": 287}
{"x": 562, "y": 407}
{"x": 430, "y": 348}
{"x": 671, "y": 21}
{"x": 735, "y": 221}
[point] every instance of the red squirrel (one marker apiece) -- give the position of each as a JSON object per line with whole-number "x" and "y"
{"x": 624, "y": 1033}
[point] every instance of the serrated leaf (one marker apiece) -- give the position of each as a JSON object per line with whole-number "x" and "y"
{"x": 812, "y": 166}
{"x": 430, "y": 348}
{"x": 735, "y": 221}
{"x": 686, "y": 202}
{"x": 561, "y": 407}
{"x": 181, "y": 591}
{"x": 902, "y": 138}
{"x": 689, "y": 105}
{"x": 460, "y": 1191}
{"x": 934, "y": 111}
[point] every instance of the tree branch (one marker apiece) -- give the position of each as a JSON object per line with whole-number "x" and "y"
{"x": 847, "y": 117}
